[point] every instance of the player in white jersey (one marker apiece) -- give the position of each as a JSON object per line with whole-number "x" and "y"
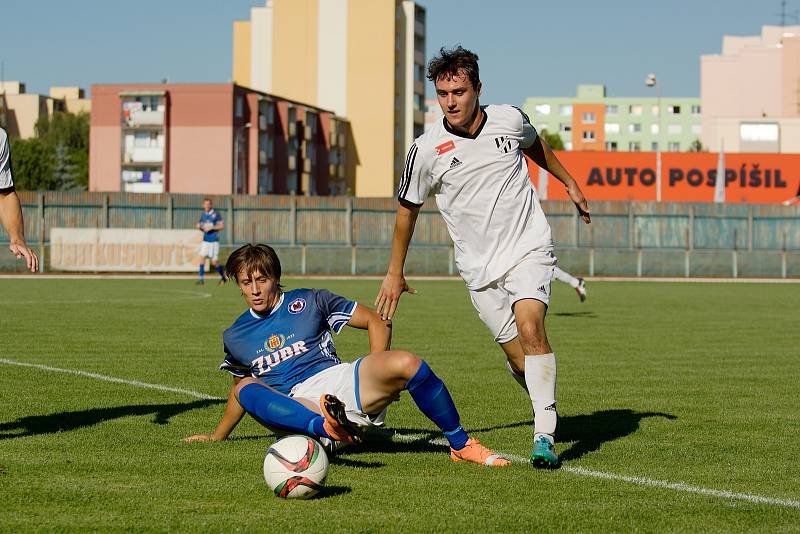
{"x": 473, "y": 164}
{"x": 10, "y": 209}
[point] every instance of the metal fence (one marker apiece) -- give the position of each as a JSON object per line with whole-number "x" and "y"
{"x": 346, "y": 235}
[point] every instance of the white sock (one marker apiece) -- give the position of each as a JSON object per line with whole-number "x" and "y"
{"x": 540, "y": 376}
{"x": 563, "y": 276}
{"x": 519, "y": 378}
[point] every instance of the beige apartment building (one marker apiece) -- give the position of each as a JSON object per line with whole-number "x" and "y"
{"x": 20, "y": 110}
{"x": 362, "y": 59}
{"x": 751, "y": 93}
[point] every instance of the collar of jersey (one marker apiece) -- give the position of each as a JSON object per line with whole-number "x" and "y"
{"x": 273, "y": 310}
{"x": 465, "y": 135}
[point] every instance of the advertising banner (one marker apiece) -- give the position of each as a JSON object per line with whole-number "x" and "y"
{"x": 124, "y": 249}
{"x": 685, "y": 176}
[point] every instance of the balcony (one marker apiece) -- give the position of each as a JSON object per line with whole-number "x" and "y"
{"x": 144, "y": 155}
{"x": 138, "y": 117}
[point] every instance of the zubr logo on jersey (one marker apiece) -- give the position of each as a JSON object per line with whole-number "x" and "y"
{"x": 297, "y": 305}
{"x": 277, "y": 352}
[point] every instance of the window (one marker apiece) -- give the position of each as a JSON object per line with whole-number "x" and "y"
{"x": 564, "y": 128}
{"x": 612, "y": 127}
{"x": 611, "y": 146}
{"x": 612, "y": 110}
{"x": 588, "y": 117}
{"x": 588, "y": 135}
{"x": 635, "y": 127}
{"x": 674, "y": 110}
{"x": 759, "y": 132}
{"x": 566, "y": 110}
{"x": 674, "y": 146}
{"x": 655, "y": 111}
{"x": 697, "y": 129}
{"x": 239, "y": 106}
{"x": 542, "y": 109}
{"x": 654, "y": 129}
{"x": 635, "y": 109}
{"x": 696, "y": 109}
{"x": 634, "y": 146}
{"x": 674, "y": 129}
{"x": 654, "y": 146}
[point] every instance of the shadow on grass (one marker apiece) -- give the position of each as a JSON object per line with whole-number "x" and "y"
{"x": 589, "y": 432}
{"x": 64, "y": 421}
{"x": 585, "y": 314}
{"x": 332, "y": 491}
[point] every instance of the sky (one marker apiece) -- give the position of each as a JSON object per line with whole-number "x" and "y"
{"x": 526, "y": 48}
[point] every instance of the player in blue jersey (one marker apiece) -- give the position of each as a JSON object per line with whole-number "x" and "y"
{"x": 210, "y": 224}
{"x": 288, "y": 376}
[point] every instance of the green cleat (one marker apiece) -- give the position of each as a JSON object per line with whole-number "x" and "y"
{"x": 544, "y": 454}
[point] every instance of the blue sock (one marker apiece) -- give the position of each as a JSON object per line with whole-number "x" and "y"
{"x": 202, "y": 270}
{"x": 221, "y": 272}
{"x": 433, "y": 399}
{"x": 274, "y": 410}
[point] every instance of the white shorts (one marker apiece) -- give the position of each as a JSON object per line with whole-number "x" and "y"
{"x": 529, "y": 279}
{"x": 209, "y": 250}
{"x": 342, "y": 381}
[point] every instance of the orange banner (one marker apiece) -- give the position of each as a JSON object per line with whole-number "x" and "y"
{"x": 685, "y": 176}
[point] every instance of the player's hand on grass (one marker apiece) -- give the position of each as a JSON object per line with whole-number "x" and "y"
{"x": 199, "y": 438}
{"x": 389, "y": 295}
{"x": 576, "y": 195}
{"x": 21, "y": 250}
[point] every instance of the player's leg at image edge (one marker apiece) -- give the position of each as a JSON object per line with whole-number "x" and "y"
{"x": 576, "y": 283}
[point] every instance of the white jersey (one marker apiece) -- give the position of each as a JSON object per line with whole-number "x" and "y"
{"x": 6, "y": 181}
{"x": 483, "y": 190}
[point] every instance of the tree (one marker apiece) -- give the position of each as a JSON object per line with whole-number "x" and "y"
{"x": 696, "y": 146}
{"x": 57, "y": 157}
{"x": 553, "y": 140}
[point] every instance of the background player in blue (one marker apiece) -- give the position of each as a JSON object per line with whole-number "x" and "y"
{"x": 210, "y": 224}
{"x": 287, "y": 375}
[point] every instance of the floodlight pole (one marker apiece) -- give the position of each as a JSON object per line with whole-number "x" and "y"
{"x": 651, "y": 81}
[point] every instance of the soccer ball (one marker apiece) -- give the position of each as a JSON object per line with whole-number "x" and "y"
{"x": 295, "y": 467}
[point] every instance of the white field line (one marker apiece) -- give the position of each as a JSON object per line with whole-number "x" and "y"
{"x": 107, "y": 378}
{"x": 409, "y": 438}
{"x": 158, "y": 296}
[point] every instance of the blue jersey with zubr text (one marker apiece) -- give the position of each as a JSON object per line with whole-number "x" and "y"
{"x": 210, "y": 217}
{"x": 289, "y": 344}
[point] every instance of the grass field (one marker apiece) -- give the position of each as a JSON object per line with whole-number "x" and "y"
{"x": 679, "y": 411}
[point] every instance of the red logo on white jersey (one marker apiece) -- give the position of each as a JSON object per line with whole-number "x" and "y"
{"x": 445, "y": 147}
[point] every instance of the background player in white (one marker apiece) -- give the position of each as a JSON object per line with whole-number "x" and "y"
{"x": 472, "y": 161}
{"x": 11, "y": 210}
{"x": 288, "y": 376}
{"x": 210, "y": 224}
{"x": 576, "y": 283}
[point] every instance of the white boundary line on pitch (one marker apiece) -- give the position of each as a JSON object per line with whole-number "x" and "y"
{"x": 408, "y": 438}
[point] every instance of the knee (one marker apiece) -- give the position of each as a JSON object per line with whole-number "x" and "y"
{"x": 242, "y": 383}
{"x": 532, "y": 332}
{"x": 404, "y": 364}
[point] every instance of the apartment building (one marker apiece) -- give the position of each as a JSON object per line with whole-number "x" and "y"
{"x": 362, "y": 59}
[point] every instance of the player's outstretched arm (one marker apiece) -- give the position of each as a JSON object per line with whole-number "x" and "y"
{"x": 11, "y": 218}
{"x": 394, "y": 284}
{"x": 543, "y": 156}
{"x": 379, "y": 330}
{"x": 230, "y": 418}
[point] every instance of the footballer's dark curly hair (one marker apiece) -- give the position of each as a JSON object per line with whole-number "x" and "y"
{"x": 251, "y": 258}
{"x": 454, "y": 62}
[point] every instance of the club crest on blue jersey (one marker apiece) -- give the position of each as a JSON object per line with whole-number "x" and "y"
{"x": 297, "y": 305}
{"x": 274, "y": 342}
